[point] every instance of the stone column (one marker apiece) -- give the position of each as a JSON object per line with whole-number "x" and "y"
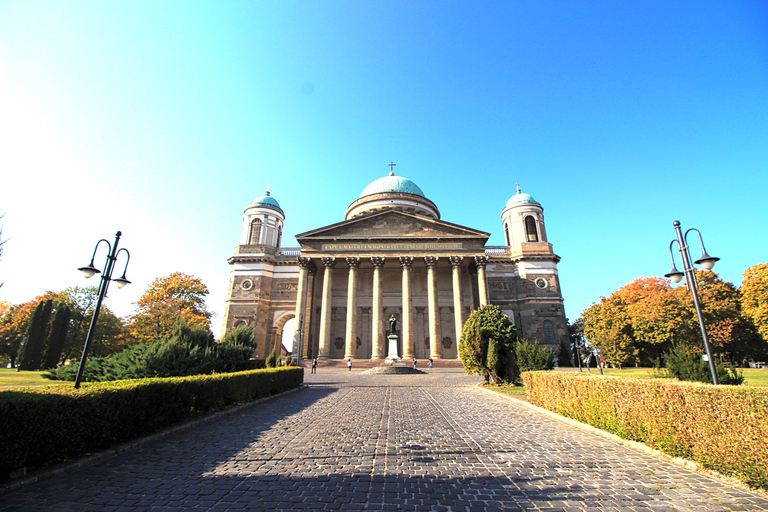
{"x": 301, "y": 298}
{"x": 351, "y": 334}
{"x": 378, "y": 341}
{"x": 409, "y": 351}
{"x": 325, "y": 316}
{"x": 307, "y": 341}
{"x": 434, "y": 312}
{"x": 482, "y": 288}
{"x": 458, "y": 309}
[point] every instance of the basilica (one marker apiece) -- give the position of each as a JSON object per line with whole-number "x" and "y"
{"x": 391, "y": 258}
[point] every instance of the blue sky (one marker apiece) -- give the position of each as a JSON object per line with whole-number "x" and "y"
{"x": 166, "y": 119}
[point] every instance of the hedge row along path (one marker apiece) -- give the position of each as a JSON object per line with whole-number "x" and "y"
{"x": 355, "y": 441}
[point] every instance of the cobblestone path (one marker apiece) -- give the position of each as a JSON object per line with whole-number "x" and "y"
{"x": 353, "y": 441}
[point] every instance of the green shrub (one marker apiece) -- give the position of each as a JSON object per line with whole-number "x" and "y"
{"x": 487, "y": 345}
{"x": 190, "y": 351}
{"x": 532, "y": 357}
{"x": 272, "y": 359}
{"x": 686, "y": 364}
{"x": 724, "y": 428}
{"x": 40, "y": 426}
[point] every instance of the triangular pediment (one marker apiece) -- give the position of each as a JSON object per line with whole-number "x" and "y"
{"x": 392, "y": 225}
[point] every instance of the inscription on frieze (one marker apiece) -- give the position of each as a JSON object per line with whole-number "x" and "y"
{"x": 286, "y": 287}
{"x": 392, "y": 247}
{"x": 498, "y": 286}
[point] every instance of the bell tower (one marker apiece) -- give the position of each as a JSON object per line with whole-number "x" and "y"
{"x": 263, "y": 222}
{"x": 539, "y": 298}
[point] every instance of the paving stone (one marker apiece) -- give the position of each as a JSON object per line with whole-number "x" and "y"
{"x": 355, "y": 441}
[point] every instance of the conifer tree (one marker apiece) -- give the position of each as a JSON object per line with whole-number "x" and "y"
{"x": 57, "y": 337}
{"x": 34, "y": 345}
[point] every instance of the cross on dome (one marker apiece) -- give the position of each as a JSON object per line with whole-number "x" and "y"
{"x": 391, "y": 164}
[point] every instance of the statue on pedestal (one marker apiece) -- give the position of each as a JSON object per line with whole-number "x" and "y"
{"x": 392, "y": 325}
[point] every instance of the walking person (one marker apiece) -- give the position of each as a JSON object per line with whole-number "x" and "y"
{"x": 414, "y": 365}
{"x": 430, "y": 363}
{"x": 314, "y": 366}
{"x": 349, "y": 364}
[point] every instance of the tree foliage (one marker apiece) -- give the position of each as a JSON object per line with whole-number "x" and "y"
{"x": 754, "y": 297}
{"x": 642, "y": 321}
{"x": 487, "y": 345}
{"x": 111, "y": 336}
{"x": 178, "y": 296}
{"x": 13, "y": 326}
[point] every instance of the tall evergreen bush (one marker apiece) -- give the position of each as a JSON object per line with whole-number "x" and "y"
{"x": 487, "y": 345}
{"x": 37, "y": 329}
{"x": 57, "y": 337}
{"x": 272, "y": 360}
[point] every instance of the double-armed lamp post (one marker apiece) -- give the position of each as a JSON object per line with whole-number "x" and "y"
{"x": 707, "y": 262}
{"x": 106, "y": 276}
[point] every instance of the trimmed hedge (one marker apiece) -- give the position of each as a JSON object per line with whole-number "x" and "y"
{"x": 723, "y": 428}
{"x": 44, "y": 425}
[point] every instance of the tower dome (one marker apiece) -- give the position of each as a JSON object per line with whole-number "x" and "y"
{"x": 392, "y": 192}
{"x": 263, "y": 222}
{"x": 523, "y": 219}
{"x": 520, "y": 198}
{"x": 266, "y": 201}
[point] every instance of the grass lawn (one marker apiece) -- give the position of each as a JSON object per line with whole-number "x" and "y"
{"x": 10, "y": 377}
{"x": 752, "y": 376}
{"x": 518, "y": 391}
{"x": 756, "y": 377}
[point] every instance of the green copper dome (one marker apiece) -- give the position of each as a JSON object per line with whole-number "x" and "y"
{"x": 520, "y": 198}
{"x": 267, "y": 201}
{"x": 392, "y": 183}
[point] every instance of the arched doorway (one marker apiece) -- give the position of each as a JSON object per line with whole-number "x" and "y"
{"x": 283, "y": 336}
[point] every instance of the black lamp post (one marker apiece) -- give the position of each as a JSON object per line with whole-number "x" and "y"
{"x": 707, "y": 262}
{"x": 299, "y": 334}
{"x": 90, "y": 271}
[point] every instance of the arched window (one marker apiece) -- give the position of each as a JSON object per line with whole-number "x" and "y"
{"x": 506, "y": 232}
{"x": 530, "y": 229}
{"x": 549, "y": 332}
{"x": 255, "y": 232}
{"x": 279, "y": 235}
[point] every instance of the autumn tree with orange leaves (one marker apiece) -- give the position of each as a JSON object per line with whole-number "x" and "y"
{"x": 168, "y": 299}
{"x": 642, "y": 320}
{"x": 754, "y": 297}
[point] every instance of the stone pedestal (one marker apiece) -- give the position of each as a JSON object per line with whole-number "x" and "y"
{"x": 392, "y": 357}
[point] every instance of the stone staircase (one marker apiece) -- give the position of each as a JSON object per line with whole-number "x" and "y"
{"x": 372, "y": 363}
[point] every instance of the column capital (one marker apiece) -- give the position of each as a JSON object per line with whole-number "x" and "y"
{"x": 406, "y": 261}
{"x": 481, "y": 261}
{"x": 304, "y": 262}
{"x": 329, "y": 262}
{"x": 378, "y": 262}
{"x": 431, "y": 261}
{"x": 456, "y": 261}
{"x": 312, "y": 269}
{"x": 353, "y": 261}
